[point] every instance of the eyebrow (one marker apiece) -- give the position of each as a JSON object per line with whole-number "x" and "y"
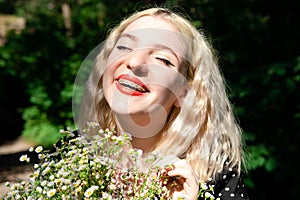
{"x": 132, "y": 37}
{"x": 156, "y": 45}
{"x": 161, "y": 46}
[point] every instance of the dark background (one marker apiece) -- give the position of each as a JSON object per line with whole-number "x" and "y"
{"x": 258, "y": 46}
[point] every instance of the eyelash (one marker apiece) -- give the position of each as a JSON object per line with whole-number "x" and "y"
{"x": 165, "y": 61}
{"x": 122, "y": 48}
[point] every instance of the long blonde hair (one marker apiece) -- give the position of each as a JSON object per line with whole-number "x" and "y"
{"x": 203, "y": 131}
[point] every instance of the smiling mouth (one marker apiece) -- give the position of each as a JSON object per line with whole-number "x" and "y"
{"x": 131, "y": 85}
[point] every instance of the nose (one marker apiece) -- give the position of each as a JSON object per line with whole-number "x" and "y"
{"x": 137, "y": 62}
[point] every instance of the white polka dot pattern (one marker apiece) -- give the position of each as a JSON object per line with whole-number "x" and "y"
{"x": 229, "y": 185}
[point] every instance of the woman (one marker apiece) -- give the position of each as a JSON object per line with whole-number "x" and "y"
{"x": 157, "y": 78}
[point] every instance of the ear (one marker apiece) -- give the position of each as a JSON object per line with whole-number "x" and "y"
{"x": 181, "y": 96}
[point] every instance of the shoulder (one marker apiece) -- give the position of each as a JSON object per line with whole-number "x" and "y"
{"x": 229, "y": 184}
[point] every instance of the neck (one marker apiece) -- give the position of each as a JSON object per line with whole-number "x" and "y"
{"x": 145, "y": 144}
{"x": 145, "y": 130}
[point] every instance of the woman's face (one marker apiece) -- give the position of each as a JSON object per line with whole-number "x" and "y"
{"x": 143, "y": 69}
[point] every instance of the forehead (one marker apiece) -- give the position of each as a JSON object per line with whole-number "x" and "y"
{"x": 147, "y": 22}
{"x": 149, "y": 31}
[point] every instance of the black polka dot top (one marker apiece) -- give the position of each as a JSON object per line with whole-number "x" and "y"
{"x": 229, "y": 185}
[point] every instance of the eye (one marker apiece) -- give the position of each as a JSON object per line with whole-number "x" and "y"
{"x": 165, "y": 61}
{"x": 123, "y": 48}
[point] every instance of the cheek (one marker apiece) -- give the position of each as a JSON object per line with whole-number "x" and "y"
{"x": 166, "y": 76}
{"x": 164, "y": 96}
{"x": 170, "y": 84}
{"x": 110, "y": 73}
{"x": 108, "y": 81}
{"x": 114, "y": 64}
{"x": 106, "y": 90}
{"x": 114, "y": 57}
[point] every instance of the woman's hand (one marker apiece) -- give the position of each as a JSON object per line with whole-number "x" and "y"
{"x": 187, "y": 186}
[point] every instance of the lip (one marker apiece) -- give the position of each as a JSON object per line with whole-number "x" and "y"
{"x": 127, "y": 90}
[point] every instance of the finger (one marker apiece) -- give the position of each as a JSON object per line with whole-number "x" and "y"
{"x": 187, "y": 180}
{"x": 183, "y": 169}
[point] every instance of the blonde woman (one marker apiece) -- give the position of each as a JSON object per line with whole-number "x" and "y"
{"x": 157, "y": 78}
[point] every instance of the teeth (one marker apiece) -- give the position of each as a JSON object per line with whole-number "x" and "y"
{"x": 131, "y": 85}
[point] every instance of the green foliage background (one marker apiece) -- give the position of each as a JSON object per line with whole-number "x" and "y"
{"x": 258, "y": 46}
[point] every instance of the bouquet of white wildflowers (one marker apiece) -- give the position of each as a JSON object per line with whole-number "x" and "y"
{"x": 100, "y": 167}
